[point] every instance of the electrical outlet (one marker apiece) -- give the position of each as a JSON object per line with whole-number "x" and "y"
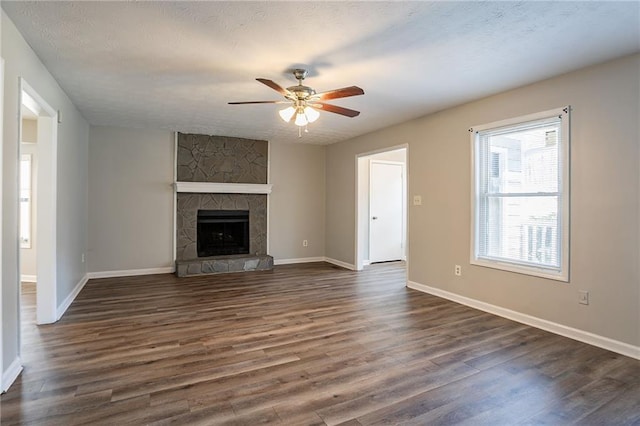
{"x": 82, "y": 257}
{"x": 583, "y": 297}
{"x": 458, "y": 270}
{"x": 417, "y": 200}
{"x": 305, "y": 243}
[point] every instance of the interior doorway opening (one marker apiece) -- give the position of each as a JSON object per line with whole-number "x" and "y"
{"x": 37, "y": 199}
{"x": 28, "y": 196}
{"x": 381, "y": 206}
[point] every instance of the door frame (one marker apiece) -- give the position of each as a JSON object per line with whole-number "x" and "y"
{"x": 2, "y": 369}
{"x": 359, "y": 250}
{"x": 46, "y": 209}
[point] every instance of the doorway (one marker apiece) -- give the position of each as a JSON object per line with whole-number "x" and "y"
{"x": 28, "y": 196}
{"x": 381, "y": 212}
{"x": 38, "y": 147}
{"x": 386, "y": 211}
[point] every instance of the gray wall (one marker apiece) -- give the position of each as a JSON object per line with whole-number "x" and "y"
{"x": 130, "y": 199}
{"x": 297, "y": 202}
{"x": 130, "y": 176}
{"x": 73, "y": 133}
{"x": 605, "y": 195}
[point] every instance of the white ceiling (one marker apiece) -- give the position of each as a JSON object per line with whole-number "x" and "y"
{"x": 175, "y": 65}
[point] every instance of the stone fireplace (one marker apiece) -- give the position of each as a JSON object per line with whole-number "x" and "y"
{"x": 222, "y": 194}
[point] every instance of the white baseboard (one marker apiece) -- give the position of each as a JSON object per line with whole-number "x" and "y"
{"x": 298, "y": 260}
{"x": 131, "y": 272}
{"x": 70, "y": 298}
{"x": 106, "y": 274}
{"x": 366, "y": 263}
{"x": 29, "y": 278}
{"x": 315, "y": 259}
{"x": 11, "y": 374}
{"x": 563, "y": 330}
{"x": 340, "y": 263}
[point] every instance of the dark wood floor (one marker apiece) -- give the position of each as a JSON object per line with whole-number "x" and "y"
{"x": 305, "y": 344}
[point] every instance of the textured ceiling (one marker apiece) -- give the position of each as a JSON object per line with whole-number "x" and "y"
{"x": 175, "y": 65}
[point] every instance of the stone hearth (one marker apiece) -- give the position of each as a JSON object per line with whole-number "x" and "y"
{"x": 223, "y": 264}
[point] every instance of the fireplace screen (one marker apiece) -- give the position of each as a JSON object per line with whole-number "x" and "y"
{"x": 222, "y": 232}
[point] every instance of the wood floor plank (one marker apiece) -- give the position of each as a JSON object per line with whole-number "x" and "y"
{"x": 581, "y": 403}
{"x": 309, "y": 344}
{"x": 623, "y": 408}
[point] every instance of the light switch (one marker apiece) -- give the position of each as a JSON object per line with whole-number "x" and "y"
{"x": 417, "y": 200}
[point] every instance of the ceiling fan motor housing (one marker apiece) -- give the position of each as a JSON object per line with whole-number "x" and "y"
{"x": 301, "y": 92}
{"x": 300, "y": 74}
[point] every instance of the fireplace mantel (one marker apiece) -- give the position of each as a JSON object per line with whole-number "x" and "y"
{"x": 223, "y": 188}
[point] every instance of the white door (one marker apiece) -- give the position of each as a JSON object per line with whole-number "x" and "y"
{"x": 386, "y": 211}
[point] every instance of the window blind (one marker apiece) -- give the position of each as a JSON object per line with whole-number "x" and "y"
{"x": 519, "y": 194}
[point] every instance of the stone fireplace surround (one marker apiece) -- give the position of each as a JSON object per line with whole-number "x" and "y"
{"x": 220, "y": 173}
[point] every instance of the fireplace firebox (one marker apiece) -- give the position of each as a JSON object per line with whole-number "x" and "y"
{"x": 222, "y": 232}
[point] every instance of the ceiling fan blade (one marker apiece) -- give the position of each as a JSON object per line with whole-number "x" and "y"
{"x": 275, "y": 86}
{"x": 257, "y": 102}
{"x": 336, "y": 109}
{"x": 345, "y": 92}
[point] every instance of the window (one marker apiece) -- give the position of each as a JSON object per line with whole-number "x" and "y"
{"x": 25, "y": 201}
{"x": 521, "y": 195}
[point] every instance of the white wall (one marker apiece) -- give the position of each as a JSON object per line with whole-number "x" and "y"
{"x": 605, "y": 197}
{"x": 73, "y": 135}
{"x": 297, "y": 203}
{"x": 130, "y": 199}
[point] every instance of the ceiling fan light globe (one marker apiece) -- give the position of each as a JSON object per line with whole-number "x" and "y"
{"x": 312, "y": 114}
{"x": 287, "y": 113}
{"x": 301, "y": 119}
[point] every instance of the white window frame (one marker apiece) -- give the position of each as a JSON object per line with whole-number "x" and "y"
{"x": 561, "y": 274}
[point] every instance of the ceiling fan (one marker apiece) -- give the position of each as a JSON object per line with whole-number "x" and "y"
{"x": 305, "y": 102}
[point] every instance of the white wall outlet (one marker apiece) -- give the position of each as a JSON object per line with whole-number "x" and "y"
{"x": 305, "y": 243}
{"x": 417, "y": 200}
{"x": 583, "y": 297}
{"x": 458, "y": 270}
{"x": 82, "y": 257}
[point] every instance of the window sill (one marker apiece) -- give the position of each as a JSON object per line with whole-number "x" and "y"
{"x": 520, "y": 269}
